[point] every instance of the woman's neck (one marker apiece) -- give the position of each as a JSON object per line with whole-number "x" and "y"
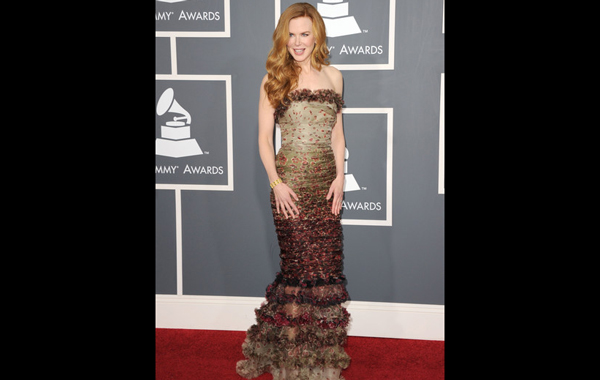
{"x": 306, "y": 67}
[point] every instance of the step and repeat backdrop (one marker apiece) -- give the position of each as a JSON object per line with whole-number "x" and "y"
{"x": 214, "y": 230}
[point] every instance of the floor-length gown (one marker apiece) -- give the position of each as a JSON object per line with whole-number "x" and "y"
{"x": 301, "y": 328}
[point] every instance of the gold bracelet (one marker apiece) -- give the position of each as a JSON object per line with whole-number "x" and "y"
{"x": 275, "y": 183}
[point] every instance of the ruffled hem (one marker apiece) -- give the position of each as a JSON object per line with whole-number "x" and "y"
{"x": 300, "y": 334}
{"x": 303, "y": 363}
{"x": 247, "y": 369}
{"x": 317, "y": 292}
{"x": 305, "y": 94}
{"x": 303, "y": 352}
{"x": 311, "y": 318}
{"x": 307, "y": 373}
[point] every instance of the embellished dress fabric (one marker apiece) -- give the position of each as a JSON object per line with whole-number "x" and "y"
{"x": 302, "y": 326}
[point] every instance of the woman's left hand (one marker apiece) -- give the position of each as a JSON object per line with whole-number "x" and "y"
{"x": 337, "y": 191}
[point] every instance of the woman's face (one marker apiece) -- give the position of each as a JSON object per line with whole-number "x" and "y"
{"x": 302, "y": 40}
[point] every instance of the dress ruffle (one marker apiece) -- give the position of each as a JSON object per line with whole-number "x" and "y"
{"x": 318, "y": 321}
{"x": 316, "y": 347}
{"x": 316, "y": 293}
{"x": 305, "y": 94}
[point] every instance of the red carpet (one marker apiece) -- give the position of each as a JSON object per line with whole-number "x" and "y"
{"x": 211, "y": 355}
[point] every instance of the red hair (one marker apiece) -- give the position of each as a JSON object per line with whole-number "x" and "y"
{"x": 282, "y": 71}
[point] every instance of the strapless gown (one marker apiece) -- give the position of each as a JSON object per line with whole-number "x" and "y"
{"x": 301, "y": 328}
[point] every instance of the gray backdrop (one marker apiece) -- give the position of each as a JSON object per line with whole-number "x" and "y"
{"x": 228, "y": 241}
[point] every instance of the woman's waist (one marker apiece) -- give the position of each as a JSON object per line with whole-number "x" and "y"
{"x": 309, "y": 161}
{"x": 317, "y": 179}
{"x": 304, "y": 146}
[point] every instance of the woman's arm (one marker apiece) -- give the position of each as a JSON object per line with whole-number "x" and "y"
{"x": 266, "y": 123}
{"x": 338, "y": 145}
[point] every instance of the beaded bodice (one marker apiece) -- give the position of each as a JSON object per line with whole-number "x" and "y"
{"x": 310, "y": 116}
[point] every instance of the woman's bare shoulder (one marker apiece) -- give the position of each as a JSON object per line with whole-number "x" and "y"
{"x": 335, "y": 76}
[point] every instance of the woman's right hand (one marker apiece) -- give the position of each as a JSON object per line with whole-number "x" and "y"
{"x": 283, "y": 200}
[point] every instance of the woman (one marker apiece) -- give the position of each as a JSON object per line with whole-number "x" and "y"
{"x": 301, "y": 328}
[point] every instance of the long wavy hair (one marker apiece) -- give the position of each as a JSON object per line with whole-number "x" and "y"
{"x": 282, "y": 70}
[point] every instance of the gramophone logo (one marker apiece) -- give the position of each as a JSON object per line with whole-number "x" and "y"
{"x": 337, "y": 22}
{"x": 175, "y": 136}
{"x": 350, "y": 183}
